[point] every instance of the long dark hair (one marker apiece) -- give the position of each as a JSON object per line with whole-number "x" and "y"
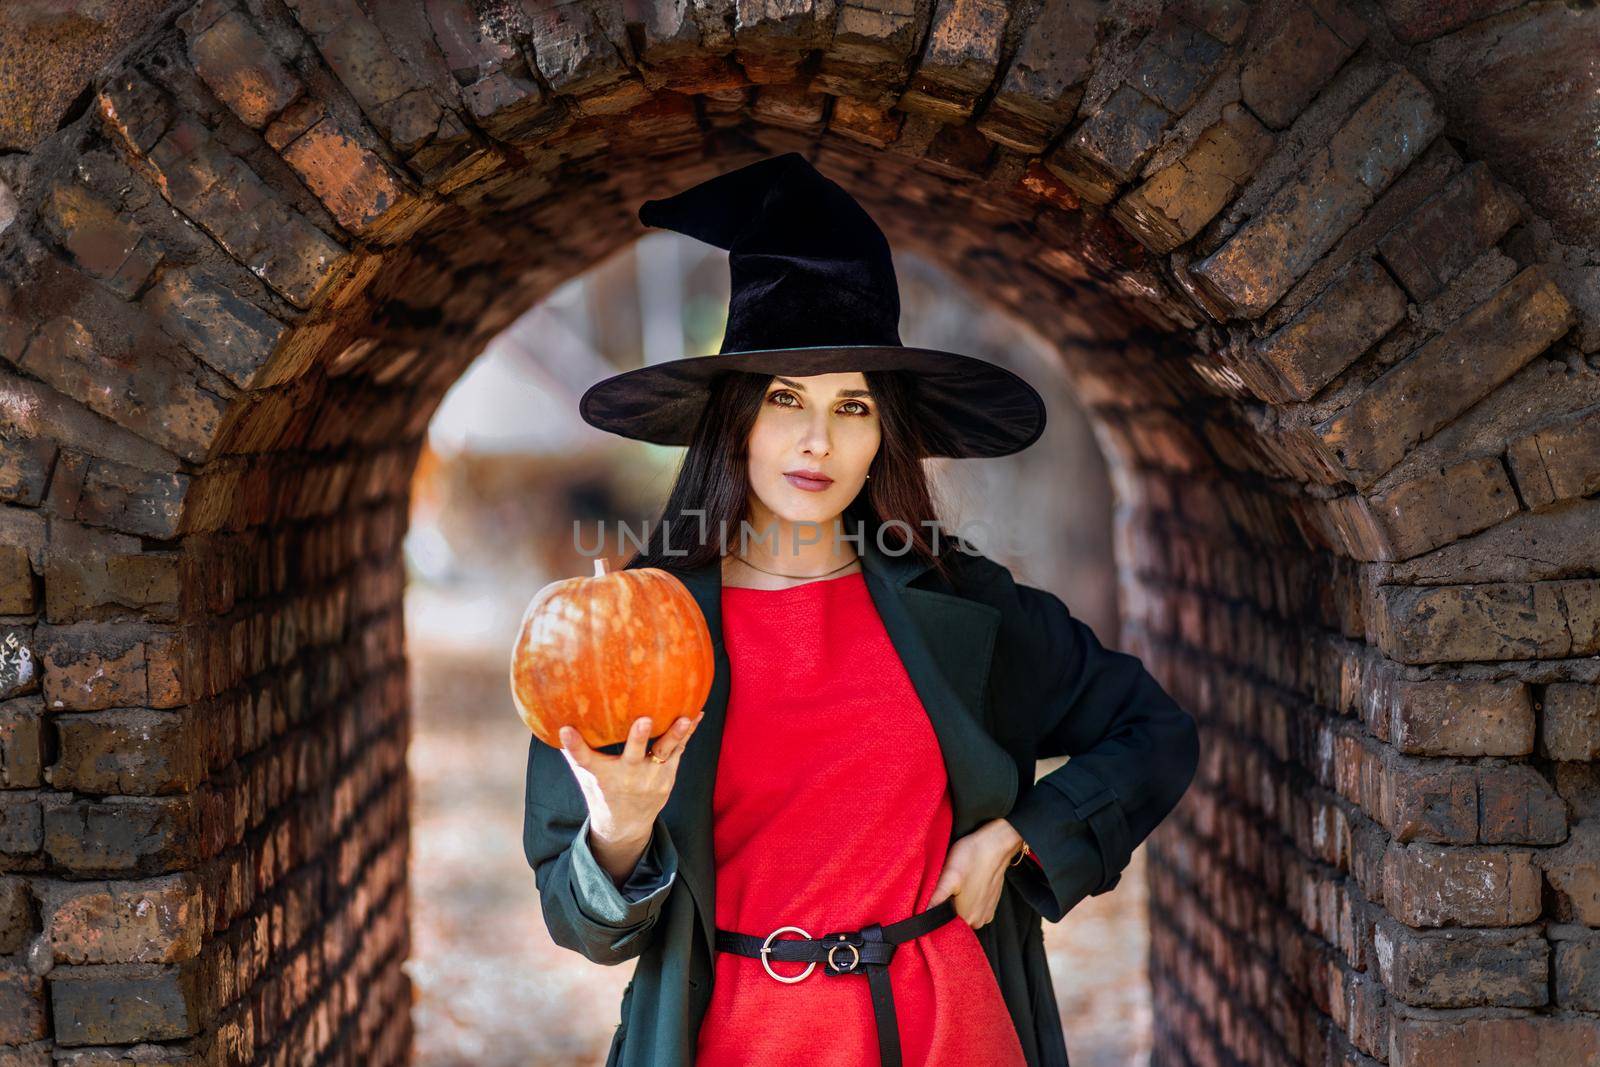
{"x": 714, "y": 479}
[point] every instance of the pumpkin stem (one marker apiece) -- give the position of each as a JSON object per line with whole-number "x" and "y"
{"x": 599, "y": 566}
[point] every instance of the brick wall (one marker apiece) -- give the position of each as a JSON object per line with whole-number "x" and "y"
{"x": 1337, "y": 337}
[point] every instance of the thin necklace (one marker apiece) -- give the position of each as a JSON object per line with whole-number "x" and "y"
{"x": 780, "y": 574}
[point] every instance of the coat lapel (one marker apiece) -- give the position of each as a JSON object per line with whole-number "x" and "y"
{"x": 946, "y": 643}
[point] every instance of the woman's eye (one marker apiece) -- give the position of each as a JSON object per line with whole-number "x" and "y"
{"x": 781, "y": 396}
{"x": 861, "y": 409}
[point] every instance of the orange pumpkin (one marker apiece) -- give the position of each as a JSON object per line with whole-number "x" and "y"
{"x": 595, "y": 653}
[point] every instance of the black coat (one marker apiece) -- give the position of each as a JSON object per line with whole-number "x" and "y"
{"x": 1008, "y": 677}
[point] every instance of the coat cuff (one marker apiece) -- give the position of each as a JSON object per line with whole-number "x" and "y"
{"x": 1074, "y": 825}
{"x": 646, "y": 888}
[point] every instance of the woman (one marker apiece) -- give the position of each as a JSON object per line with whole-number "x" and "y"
{"x": 882, "y": 693}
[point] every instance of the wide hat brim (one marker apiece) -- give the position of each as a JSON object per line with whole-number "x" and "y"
{"x": 971, "y": 408}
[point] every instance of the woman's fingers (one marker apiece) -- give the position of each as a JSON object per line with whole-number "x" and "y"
{"x": 575, "y": 748}
{"x": 670, "y": 744}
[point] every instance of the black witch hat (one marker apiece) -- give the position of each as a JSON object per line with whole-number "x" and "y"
{"x": 813, "y": 292}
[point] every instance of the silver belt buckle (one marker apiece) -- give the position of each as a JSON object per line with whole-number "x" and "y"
{"x": 766, "y": 947}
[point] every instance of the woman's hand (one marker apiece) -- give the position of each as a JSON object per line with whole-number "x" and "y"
{"x": 626, "y": 792}
{"x": 975, "y": 870}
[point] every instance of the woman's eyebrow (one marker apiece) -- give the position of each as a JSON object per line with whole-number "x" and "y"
{"x": 843, "y": 392}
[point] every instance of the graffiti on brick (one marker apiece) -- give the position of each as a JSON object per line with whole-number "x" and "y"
{"x": 16, "y": 664}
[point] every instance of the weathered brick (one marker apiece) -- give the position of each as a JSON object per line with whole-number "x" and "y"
{"x": 1448, "y": 232}
{"x": 36, "y": 419}
{"x": 121, "y": 1004}
{"x": 1573, "y": 871}
{"x": 155, "y": 397}
{"x": 1463, "y": 968}
{"x": 90, "y": 666}
{"x": 352, "y": 181}
{"x": 1425, "y": 800}
{"x": 1411, "y": 400}
{"x": 577, "y": 59}
{"x": 18, "y": 587}
{"x": 1487, "y": 621}
{"x": 1175, "y": 61}
{"x": 959, "y": 60}
{"x": 1313, "y": 348}
{"x": 21, "y": 743}
{"x": 866, "y": 57}
{"x": 1457, "y": 718}
{"x": 17, "y": 925}
{"x": 122, "y": 836}
{"x": 125, "y": 751}
{"x": 1571, "y": 718}
{"x": 160, "y": 920}
{"x": 1577, "y": 966}
{"x": 1558, "y": 461}
{"x": 1434, "y": 509}
{"x": 135, "y": 110}
{"x": 1044, "y": 83}
{"x": 1443, "y": 885}
{"x": 1295, "y": 60}
{"x": 95, "y": 573}
{"x": 1109, "y": 146}
{"x": 1177, "y": 201}
{"x": 105, "y": 242}
{"x": 862, "y": 122}
{"x": 146, "y": 503}
{"x": 793, "y": 106}
{"x": 225, "y": 197}
{"x": 21, "y": 824}
{"x": 236, "y": 62}
{"x": 229, "y": 333}
{"x": 1414, "y": 21}
{"x": 1305, "y": 217}
{"x": 1517, "y": 806}
{"x": 1470, "y": 1041}
{"x": 22, "y": 1007}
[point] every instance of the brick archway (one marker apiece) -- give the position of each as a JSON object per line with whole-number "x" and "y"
{"x": 1330, "y": 308}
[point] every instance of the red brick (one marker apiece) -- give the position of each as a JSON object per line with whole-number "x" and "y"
{"x": 1313, "y": 210}
{"x": 21, "y": 743}
{"x": 1285, "y": 70}
{"x": 17, "y": 926}
{"x": 123, "y": 836}
{"x": 90, "y": 666}
{"x": 1416, "y": 397}
{"x": 1571, "y": 716}
{"x": 18, "y": 587}
{"x": 1419, "y": 515}
{"x": 161, "y": 920}
{"x": 1469, "y": 1041}
{"x": 238, "y": 64}
{"x": 130, "y": 752}
{"x": 1488, "y": 621}
{"x": 1558, "y": 461}
{"x": 1463, "y": 968}
{"x": 1445, "y": 885}
{"x": 1044, "y": 82}
{"x": 959, "y": 61}
{"x": 1178, "y": 200}
{"x": 22, "y": 1007}
{"x": 126, "y": 1003}
{"x": 1351, "y": 315}
{"x": 1448, "y": 232}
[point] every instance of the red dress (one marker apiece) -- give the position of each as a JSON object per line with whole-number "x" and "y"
{"x": 831, "y": 811}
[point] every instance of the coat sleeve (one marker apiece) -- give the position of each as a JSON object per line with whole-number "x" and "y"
{"x": 1132, "y": 753}
{"x": 584, "y": 909}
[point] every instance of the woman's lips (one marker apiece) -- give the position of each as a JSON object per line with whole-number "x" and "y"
{"x": 814, "y": 485}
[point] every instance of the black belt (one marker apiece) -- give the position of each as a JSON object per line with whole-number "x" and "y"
{"x": 849, "y": 952}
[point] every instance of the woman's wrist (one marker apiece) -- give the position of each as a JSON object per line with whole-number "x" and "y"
{"x": 618, "y": 856}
